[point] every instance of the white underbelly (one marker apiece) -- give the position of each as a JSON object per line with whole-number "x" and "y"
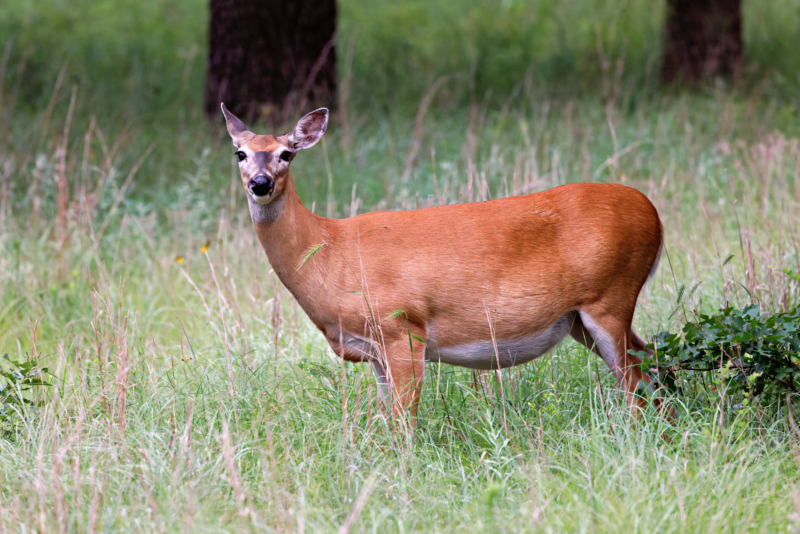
{"x": 510, "y": 352}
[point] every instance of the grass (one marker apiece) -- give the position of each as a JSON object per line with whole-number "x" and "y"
{"x": 196, "y": 396}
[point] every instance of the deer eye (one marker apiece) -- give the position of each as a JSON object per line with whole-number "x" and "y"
{"x": 285, "y": 155}
{"x": 241, "y": 155}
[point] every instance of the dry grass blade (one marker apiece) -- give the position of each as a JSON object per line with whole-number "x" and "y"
{"x": 421, "y": 111}
{"x": 121, "y": 193}
{"x": 361, "y": 500}
{"x": 795, "y": 432}
{"x": 498, "y": 373}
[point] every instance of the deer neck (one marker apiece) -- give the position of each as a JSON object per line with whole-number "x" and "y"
{"x": 287, "y": 232}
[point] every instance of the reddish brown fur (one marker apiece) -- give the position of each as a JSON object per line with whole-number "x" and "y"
{"x": 268, "y": 143}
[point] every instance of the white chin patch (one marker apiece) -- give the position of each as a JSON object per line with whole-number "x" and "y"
{"x": 262, "y": 199}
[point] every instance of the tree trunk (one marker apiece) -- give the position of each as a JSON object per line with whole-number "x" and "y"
{"x": 703, "y": 39}
{"x": 270, "y": 57}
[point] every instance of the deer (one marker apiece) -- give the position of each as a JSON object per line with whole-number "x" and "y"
{"x": 485, "y": 285}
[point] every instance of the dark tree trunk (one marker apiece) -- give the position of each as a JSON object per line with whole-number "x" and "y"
{"x": 703, "y": 39}
{"x": 268, "y": 57}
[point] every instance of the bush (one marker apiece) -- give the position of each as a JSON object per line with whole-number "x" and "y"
{"x": 754, "y": 353}
{"x": 19, "y": 378}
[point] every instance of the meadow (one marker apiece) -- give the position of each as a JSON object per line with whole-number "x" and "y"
{"x": 190, "y": 393}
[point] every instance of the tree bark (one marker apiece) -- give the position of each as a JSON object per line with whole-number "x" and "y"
{"x": 270, "y": 57}
{"x": 703, "y": 39}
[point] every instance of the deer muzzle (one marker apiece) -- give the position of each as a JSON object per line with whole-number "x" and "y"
{"x": 261, "y": 185}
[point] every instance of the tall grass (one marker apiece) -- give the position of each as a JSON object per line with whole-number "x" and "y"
{"x": 191, "y": 393}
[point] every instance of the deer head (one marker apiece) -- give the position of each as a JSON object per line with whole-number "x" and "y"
{"x": 264, "y": 159}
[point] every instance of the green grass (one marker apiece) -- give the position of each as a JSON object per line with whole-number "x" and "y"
{"x": 196, "y": 396}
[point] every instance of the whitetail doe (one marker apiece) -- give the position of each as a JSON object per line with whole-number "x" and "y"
{"x": 483, "y": 285}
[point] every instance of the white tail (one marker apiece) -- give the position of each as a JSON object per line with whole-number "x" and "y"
{"x": 399, "y": 288}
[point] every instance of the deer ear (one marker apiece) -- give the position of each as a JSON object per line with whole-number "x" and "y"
{"x": 236, "y": 128}
{"x": 309, "y": 129}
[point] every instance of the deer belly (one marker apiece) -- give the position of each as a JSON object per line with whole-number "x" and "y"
{"x": 510, "y": 352}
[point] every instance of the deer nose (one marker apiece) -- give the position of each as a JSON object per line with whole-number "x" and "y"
{"x": 261, "y": 185}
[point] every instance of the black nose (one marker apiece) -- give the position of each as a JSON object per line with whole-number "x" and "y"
{"x": 261, "y": 185}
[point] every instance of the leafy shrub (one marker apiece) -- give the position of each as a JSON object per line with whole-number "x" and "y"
{"x": 20, "y": 377}
{"x": 754, "y": 353}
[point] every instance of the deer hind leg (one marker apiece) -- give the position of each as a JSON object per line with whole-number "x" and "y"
{"x": 658, "y": 401}
{"x": 580, "y": 334}
{"x": 638, "y": 343}
{"x": 610, "y": 337}
{"x": 404, "y": 368}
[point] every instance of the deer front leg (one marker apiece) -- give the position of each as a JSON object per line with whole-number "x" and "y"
{"x": 404, "y": 366}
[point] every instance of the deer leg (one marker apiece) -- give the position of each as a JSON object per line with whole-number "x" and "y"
{"x": 609, "y": 337}
{"x": 405, "y": 365}
{"x": 663, "y": 407}
{"x": 638, "y": 343}
{"x": 580, "y": 334}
